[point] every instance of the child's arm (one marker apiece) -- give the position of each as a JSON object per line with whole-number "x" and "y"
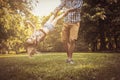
{"x": 59, "y": 17}
{"x": 52, "y": 17}
{"x": 63, "y": 14}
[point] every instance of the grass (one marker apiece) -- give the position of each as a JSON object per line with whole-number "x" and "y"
{"x": 52, "y": 66}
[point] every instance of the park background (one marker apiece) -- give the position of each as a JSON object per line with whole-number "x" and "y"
{"x": 99, "y": 30}
{"x": 97, "y": 49}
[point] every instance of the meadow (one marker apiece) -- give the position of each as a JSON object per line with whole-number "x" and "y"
{"x": 52, "y": 66}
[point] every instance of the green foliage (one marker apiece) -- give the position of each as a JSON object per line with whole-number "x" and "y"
{"x": 100, "y": 21}
{"x": 52, "y": 66}
{"x": 13, "y": 30}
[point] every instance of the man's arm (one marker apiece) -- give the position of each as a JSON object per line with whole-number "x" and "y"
{"x": 54, "y": 22}
{"x": 78, "y": 5}
{"x": 59, "y": 7}
{"x": 62, "y": 15}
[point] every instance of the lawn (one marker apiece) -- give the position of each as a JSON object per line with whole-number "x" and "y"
{"x": 52, "y": 66}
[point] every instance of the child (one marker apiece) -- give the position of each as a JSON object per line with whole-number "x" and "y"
{"x": 39, "y": 35}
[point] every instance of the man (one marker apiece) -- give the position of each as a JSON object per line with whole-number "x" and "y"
{"x": 71, "y": 25}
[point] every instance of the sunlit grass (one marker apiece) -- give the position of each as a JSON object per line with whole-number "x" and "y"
{"x": 52, "y": 66}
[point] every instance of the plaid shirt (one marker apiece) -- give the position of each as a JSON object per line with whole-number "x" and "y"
{"x": 74, "y": 16}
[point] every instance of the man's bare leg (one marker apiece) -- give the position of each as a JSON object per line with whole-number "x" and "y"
{"x": 66, "y": 47}
{"x": 71, "y": 47}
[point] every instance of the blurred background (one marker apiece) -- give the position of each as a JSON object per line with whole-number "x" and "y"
{"x": 99, "y": 30}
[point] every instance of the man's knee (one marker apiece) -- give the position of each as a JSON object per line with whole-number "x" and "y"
{"x": 69, "y": 41}
{"x": 64, "y": 41}
{"x": 72, "y": 41}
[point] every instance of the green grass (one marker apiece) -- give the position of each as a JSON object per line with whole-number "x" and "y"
{"x": 52, "y": 66}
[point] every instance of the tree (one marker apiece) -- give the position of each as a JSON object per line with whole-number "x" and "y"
{"x": 97, "y": 23}
{"x": 13, "y": 14}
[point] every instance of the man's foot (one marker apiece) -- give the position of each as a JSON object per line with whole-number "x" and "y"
{"x": 69, "y": 61}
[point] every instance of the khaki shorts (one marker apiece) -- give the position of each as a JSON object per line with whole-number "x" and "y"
{"x": 70, "y": 31}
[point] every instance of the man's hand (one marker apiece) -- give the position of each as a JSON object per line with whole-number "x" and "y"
{"x": 68, "y": 10}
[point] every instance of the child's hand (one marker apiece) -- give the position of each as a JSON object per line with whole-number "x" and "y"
{"x": 54, "y": 12}
{"x": 28, "y": 21}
